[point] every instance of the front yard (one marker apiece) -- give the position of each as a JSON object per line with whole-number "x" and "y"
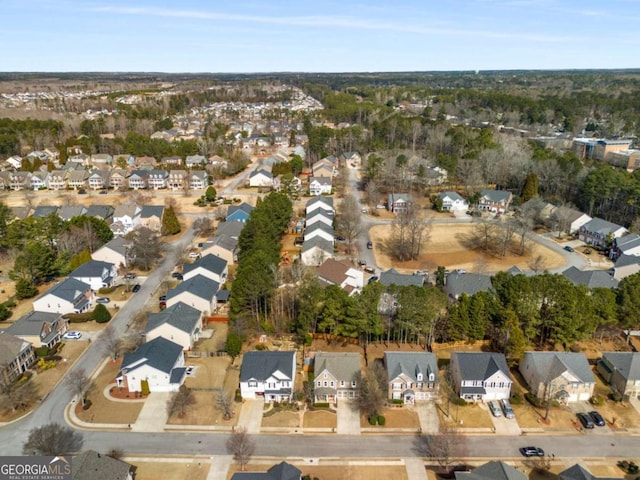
{"x": 395, "y": 417}
{"x": 320, "y": 419}
{"x": 464, "y": 416}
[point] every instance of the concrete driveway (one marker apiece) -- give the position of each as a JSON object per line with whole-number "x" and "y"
{"x": 153, "y": 416}
{"x": 503, "y": 425}
{"x": 428, "y": 417}
{"x": 348, "y": 417}
{"x": 251, "y": 414}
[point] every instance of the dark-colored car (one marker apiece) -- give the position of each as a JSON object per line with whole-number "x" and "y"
{"x": 369, "y": 245}
{"x": 163, "y": 298}
{"x": 597, "y": 418}
{"x": 585, "y": 420}
{"x": 82, "y": 191}
{"x": 176, "y": 275}
{"x": 532, "y": 452}
{"x": 373, "y": 279}
{"x": 136, "y": 288}
{"x": 103, "y": 192}
{"x": 130, "y": 275}
{"x": 569, "y": 249}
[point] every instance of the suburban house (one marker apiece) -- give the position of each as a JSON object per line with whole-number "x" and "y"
{"x": 626, "y": 265}
{"x": 590, "y": 278}
{"x": 126, "y": 217}
{"x": 567, "y": 220}
{"x": 96, "y": 273}
{"x": 599, "y": 232}
{"x": 198, "y": 179}
{"x": 628, "y": 244}
{"x": 67, "y": 212}
{"x": 159, "y": 363}
{"x": 261, "y": 178}
{"x": 333, "y": 272}
{"x": 562, "y": 376}
{"x": 157, "y": 179}
{"x": 496, "y": 201}
{"x": 480, "y": 376}
{"x": 195, "y": 161}
{"x": 138, "y": 180}
{"x": 320, "y": 202}
{"x": 239, "y": 213}
{"x": 114, "y": 251}
{"x": 105, "y": 212}
{"x": 353, "y": 158}
{"x": 453, "y": 202}
{"x": 316, "y": 251}
{"x": 78, "y": 179}
{"x": 578, "y": 472}
{"x": 268, "y": 374}
{"x": 41, "y": 329}
{"x": 38, "y": 180}
{"x": 19, "y": 213}
{"x": 67, "y": 296}
{"x": 281, "y": 471}
{"x": 322, "y": 168}
{"x": 57, "y": 180}
{"x": 98, "y": 179}
{"x": 43, "y": 211}
{"x": 173, "y": 160}
{"x": 412, "y": 376}
{"x": 210, "y": 266}
{"x": 151, "y": 217}
{"x": 457, "y": 283}
{"x": 223, "y": 246}
{"x": 320, "y": 185}
{"x": 392, "y": 277}
{"x": 319, "y": 216}
{"x": 494, "y": 470}
{"x": 118, "y": 179}
{"x": 179, "y": 323}
{"x": 621, "y": 370}
{"x": 198, "y": 292}
{"x": 336, "y": 375}
{"x": 16, "y": 355}
{"x": 398, "y": 202}
{"x": 91, "y": 464}
{"x": 176, "y": 180}
{"x": 320, "y": 230}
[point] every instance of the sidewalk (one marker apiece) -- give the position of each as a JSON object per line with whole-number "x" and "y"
{"x": 219, "y": 467}
{"x": 415, "y": 469}
{"x": 153, "y": 415}
{"x": 251, "y": 415}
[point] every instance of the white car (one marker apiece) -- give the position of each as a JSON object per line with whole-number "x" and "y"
{"x": 194, "y": 255}
{"x": 72, "y": 335}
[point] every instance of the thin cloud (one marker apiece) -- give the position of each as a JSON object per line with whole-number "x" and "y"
{"x": 325, "y": 21}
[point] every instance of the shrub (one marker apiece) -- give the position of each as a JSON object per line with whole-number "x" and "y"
{"x": 87, "y": 405}
{"x": 9, "y": 303}
{"x": 596, "y": 400}
{"x": 238, "y": 396}
{"x": 79, "y": 317}
{"x": 397, "y": 401}
{"x": 461, "y": 402}
{"x": 261, "y": 346}
{"x": 373, "y": 420}
{"x": 615, "y": 396}
{"x": 321, "y": 405}
{"x": 308, "y": 339}
{"x": 107, "y": 290}
{"x": 533, "y": 400}
{"x": 517, "y": 399}
{"x": 101, "y": 314}
{"x": 42, "y": 351}
{"x": 25, "y": 289}
{"x": 381, "y": 420}
{"x": 144, "y": 386}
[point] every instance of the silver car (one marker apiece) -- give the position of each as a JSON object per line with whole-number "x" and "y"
{"x": 506, "y": 407}
{"x": 495, "y": 409}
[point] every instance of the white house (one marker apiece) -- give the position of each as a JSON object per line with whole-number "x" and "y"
{"x": 319, "y": 216}
{"x": 95, "y": 273}
{"x": 159, "y": 363}
{"x": 480, "y": 376}
{"x": 316, "y": 251}
{"x": 268, "y": 374}
{"x": 179, "y": 323}
{"x": 210, "y": 266}
{"x": 126, "y": 218}
{"x": 452, "y": 201}
{"x": 320, "y": 230}
{"x": 199, "y": 292}
{"x": 322, "y": 203}
{"x": 261, "y": 178}
{"x": 320, "y": 185}
{"x": 68, "y": 296}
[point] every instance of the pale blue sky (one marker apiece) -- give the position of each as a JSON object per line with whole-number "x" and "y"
{"x": 317, "y": 36}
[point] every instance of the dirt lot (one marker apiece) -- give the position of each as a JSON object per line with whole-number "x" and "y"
{"x": 103, "y": 410}
{"x": 193, "y": 470}
{"x": 395, "y": 418}
{"x": 451, "y": 246}
{"x": 320, "y": 419}
{"x": 337, "y": 472}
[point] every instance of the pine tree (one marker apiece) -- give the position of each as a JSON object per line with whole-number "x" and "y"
{"x": 170, "y": 223}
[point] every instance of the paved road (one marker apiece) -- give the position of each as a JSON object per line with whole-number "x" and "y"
{"x": 52, "y": 408}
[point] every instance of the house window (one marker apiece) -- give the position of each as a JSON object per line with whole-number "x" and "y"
{"x": 253, "y": 384}
{"x": 397, "y": 386}
{"x": 333, "y": 384}
{"x": 353, "y": 384}
{"x": 318, "y": 384}
{"x": 342, "y": 383}
{"x": 325, "y": 383}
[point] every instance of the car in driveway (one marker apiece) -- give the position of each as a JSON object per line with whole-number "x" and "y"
{"x": 176, "y": 275}
{"x": 506, "y": 408}
{"x": 495, "y": 409}
{"x": 532, "y": 452}
{"x": 569, "y": 249}
{"x": 373, "y": 279}
{"x": 585, "y": 420}
{"x": 136, "y": 288}
{"x": 102, "y": 300}
{"x": 72, "y": 335}
{"x": 597, "y": 418}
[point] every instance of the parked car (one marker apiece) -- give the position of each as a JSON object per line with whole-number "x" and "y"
{"x": 506, "y": 408}
{"x": 532, "y": 452}
{"x": 194, "y": 255}
{"x": 82, "y": 191}
{"x": 71, "y": 335}
{"x": 363, "y": 210}
{"x": 585, "y": 420}
{"x": 597, "y": 418}
{"x": 136, "y": 288}
{"x": 176, "y": 275}
{"x": 340, "y": 238}
{"x": 381, "y": 207}
{"x": 103, "y": 192}
{"x": 130, "y": 276}
{"x": 102, "y": 300}
{"x": 373, "y": 279}
{"x": 163, "y": 298}
{"x": 370, "y": 245}
{"x": 362, "y": 263}
{"x": 569, "y": 249}
{"x": 495, "y": 409}
{"x": 370, "y": 270}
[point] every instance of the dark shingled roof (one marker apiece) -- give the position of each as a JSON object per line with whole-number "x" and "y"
{"x": 208, "y": 262}
{"x": 492, "y": 471}
{"x": 410, "y": 364}
{"x": 159, "y": 353}
{"x": 282, "y": 471}
{"x": 550, "y": 365}
{"x": 392, "y": 277}
{"x": 93, "y": 268}
{"x": 590, "y": 278}
{"x": 181, "y": 316}
{"x": 199, "y": 285}
{"x": 479, "y": 365}
{"x": 91, "y": 465}
{"x": 627, "y": 363}
{"x": 578, "y": 472}
{"x": 260, "y": 365}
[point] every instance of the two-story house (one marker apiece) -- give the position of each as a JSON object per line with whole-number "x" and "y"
{"x": 320, "y": 186}
{"x": 151, "y": 217}
{"x": 78, "y": 179}
{"x": 16, "y": 356}
{"x": 198, "y": 292}
{"x": 336, "y": 375}
{"x": 114, "y": 251}
{"x": 57, "y": 180}
{"x": 480, "y": 376}
{"x": 268, "y": 374}
{"x": 599, "y": 232}
{"x": 126, "y": 217}
{"x": 157, "y": 179}
{"x": 95, "y": 273}
{"x": 495, "y": 201}
{"x": 333, "y": 272}
{"x": 398, "y": 202}
{"x": 41, "y": 329}
{"x": 98, "y": 179}
{"x": 179, "y": 323}
{"x": 621, "y": 370}
{"x": 198, "y": 179}
{"x": 138, "y": 180}
{"x": 118, "y": 179}
{"x": 68, "y": 296}
{"x": 210, "y": 266}
{"x": 412, "y": 376}
{"x": 320, "y": 203}
{"x": 177, "y": 179}
{"x": 453, "y": 202}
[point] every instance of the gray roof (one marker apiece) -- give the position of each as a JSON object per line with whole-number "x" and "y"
{"x": 125, "y": 210}
{"x": 568, "y": 214}
{"x": 320, "y": 213}
{"x": 321, "y": 180}
{"x": 319, "y": 226}
{"x": 20, "y": 212}
{"x": 149, "y": 211}
{"x": 260, "y": 365}
{"x": 452, "y": 195}
{"x": 496, "y": 195}
{"x": 93, "y": 268}
{"x": 578, "y": 472}
{"x": 598, "y": 225}
{"x": 67, "y": 212}
{"x": 118, "y": 244}
{"x": 394, "y": 197}
{"x": 343, "y": 366}
{"x": 392, "y": 277}
{"x": 181, "y": 316}
{"x": 328, "y": 201}
{"x": 322, "y": 243}
{"x": 200, "y": 286}
{"x": 223, "y": 241}
{"x": 627, "y": 242}
{"x": 44, "y": 211}
{"x": 244, "y": 206}
{"x": 492, "y": 471}
{"x": 90, "y": 465}
{"x": 231, "y": 229}
{"x": 69, "y": 289}
{"x": 261, "y": 171}
{"x": 159, "y": 353}
{"x": 625, "y": 260}
{"x": 10, "y": 347}
{"x": 479, "y": 365}
{"x": 281, "y": 471}
{"x": 627, "y": 363}
{"x": 550, "y": 365}
{"x": 590, "y": 278}
{"x": 209, "y": 262}
{"x": 515, "y": 270}
{"x": 410, "y": 364}
{"x": 31, "y": 324}
{"x": 101, "y": 211}
{"x": 469, "y": 283}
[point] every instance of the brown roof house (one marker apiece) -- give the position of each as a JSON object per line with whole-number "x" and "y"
{"x": 333, "y": 272}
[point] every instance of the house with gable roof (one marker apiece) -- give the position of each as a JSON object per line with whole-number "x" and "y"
{"x": 159, "y": 363}
{"x": 67, "y": 296}
{"x": 177, "y": 179}
{"x": 126, "y": 218}
{"x": 90, "y": 464}
{"x": 95, "y": 273}
{"x": 333, "y": 272}
{"x": 621, "y": 370}
{"x": 453, "y": 201}
{"x": 320, "y": 186}
{"x": 398, "y": 202}
{"x": 261, "y": 178}
{"x": 195, "y": 161}
{"x": 495, "y": 201}
{"x": 138, "y": 180}
{"x": 321, "y": 230}
{"x": 151, "y": 217}
{"x": 43, "y": 211}
{"x": 198, "y": 179}
{"x": 119, "y": 179}
{"x": 412, "y": 376}
{"x": 38, "y": 180}
{"x": 78, "y": 179}
{"x": 628, "y": 244}
{"x": 239, "y": 213}
{"x": 590, "y": 278}
{"x": 578, "y": 472}
{"x": 41, "y": 329}
{"x": 268, "y": 374}
{"x": 16, "y": 356}
{"x": 157, "y": 179}
{"x": 319, "y": 215}
{"x": 114, "y": 251}
{"x": 480, "y": 376}
{"x": 198, "y": 292}
{"x": 495, "y": 470}
{"x": 315, "y": 251}
{"x": 320, "y": 203}
{"x": 336, "y": 375}
{"x": 67, "y": 212}
{"x": 457, "y": 283}
{"x": 179, "y": 323}
{"x": 599, "y": 232}
{"x": 105, "y": 212}
{"x": 281, "y": 471}
{"x": 562, "y": 376}
{"x": 392, "y": 277}
{"x": 211, "y": 266}
{"x": 626, "y": 265}
{"x": 98, "y": 179}
{"x": 57, "y": 180}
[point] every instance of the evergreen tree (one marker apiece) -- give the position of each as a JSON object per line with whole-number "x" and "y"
{"x": 101, "y": 314}
{"x": 170, "y": 223}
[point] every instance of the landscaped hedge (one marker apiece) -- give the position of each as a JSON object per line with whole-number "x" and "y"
{"x": 79, "y": 317}
{"x": 461, "y": 402}
{"x": 320, "y": 405}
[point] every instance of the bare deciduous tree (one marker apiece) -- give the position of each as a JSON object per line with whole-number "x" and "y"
{"x": 146, "y": 247}
{"x": 409, "y": 231}
{"x": 111, "y": 342}
{"x": 537, "y": 264}
{"x": 52, "y": 439}
{"x": 18, "y": 396}
{"x": 349, "y": 220}
{"x": 224, "y": 403}
{"x": 446, "y": 448}
{"x": 204, "y": 226}
{"x": 180, "y": 401}
{"x": 79, "y": 383}
{"x": 241, "y": 446}
{"x": 372, "y": 391}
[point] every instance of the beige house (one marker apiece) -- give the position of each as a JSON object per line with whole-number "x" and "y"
{"x": 39, "y": 328}
{"x": 562, "y": 376}
{"x": 179, "y": 323}
{"x": 198, "y": 292}
{"x": 151, "y": 217}
{"x": 336, "y": 375}
{"x": 621, "y": 370}
{"x": 16, "y": 355}
{"x": 412, "y": 376}
{"x": 114, "y": 252}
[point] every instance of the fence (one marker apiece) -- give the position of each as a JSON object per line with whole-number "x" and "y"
{"x": 193, "y": 354}
{"x": 216, "y": 319}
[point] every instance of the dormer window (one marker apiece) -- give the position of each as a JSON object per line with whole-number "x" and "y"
{"x": 432, "y": 377}
{"x": 419, "y": 377}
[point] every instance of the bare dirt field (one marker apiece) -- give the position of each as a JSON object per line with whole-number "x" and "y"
{"x": 193, "y": 470}
{"x": 451, "y": 246}
{"x": 320, "y": 419}
{"x": 337, "y": 472}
